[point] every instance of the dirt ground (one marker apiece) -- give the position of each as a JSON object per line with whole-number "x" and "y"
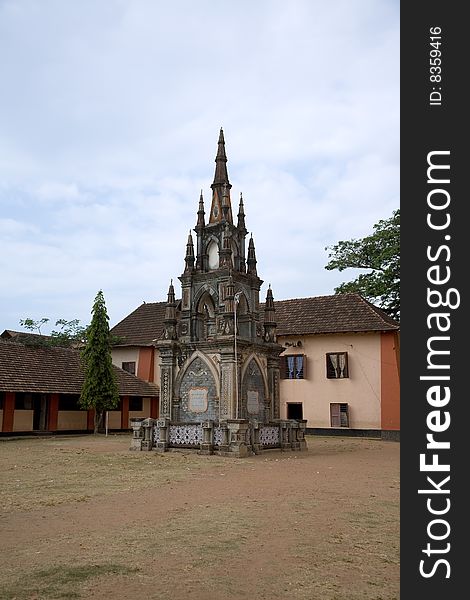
{"x": 83, "y": 517}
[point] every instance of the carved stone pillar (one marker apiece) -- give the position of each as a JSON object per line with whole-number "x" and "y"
{"x": 273, "y": 383}
{"x": 255, "y": 445}
{"x": 207, "y": 445}
{"x": 147, "y": 442}
{"x": 301, "y": 434}
{"x": 227, "y": 388}
{"x": 284, "y": 431}
{"x": 238, "y": 443}
{"x": 293, "y": 429}
{"x": 137, "y": 433}
{"x": 163, "y": 441}
{"x": 224, "y": 445}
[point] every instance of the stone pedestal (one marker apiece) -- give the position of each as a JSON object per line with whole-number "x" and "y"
{"x": 224, "y": 446}
{"x": 238, "y": 445}
{"x": 301, "y": 434}
{"x": 255, "y": 445}
{"x": 147, "y": 442}
{"x": 162, "y": 443}
{"x": 207, "y": 446}
{"x": 285, "y": 438}
{"x": 137, "y": 433}
{"x": 293, "y": 429}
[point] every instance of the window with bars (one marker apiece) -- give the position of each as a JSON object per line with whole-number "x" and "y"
{"x": 129, "y": 367}
{"x": 293, "y": 366}
{"x": 337, "y": 365}
{"x": 339, "y": 414}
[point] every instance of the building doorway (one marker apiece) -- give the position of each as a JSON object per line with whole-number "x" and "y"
{"x": 40, "y": 412}
{"x": 295, "y": 410}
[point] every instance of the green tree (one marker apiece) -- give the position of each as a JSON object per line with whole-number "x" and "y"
{"x": 69, "y": 334}
{"x": 99, "y": 391}
{"x": 379, "y": 253}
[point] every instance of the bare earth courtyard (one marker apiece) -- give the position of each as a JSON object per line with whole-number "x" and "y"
{"x": 83, "y": 517}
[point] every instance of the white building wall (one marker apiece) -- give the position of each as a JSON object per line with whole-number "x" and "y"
{"x": 126, "y": 354}
{"x": 361, "y": 390}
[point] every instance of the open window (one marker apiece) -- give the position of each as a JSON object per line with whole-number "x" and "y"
{"x": 337, "y": 365}
{"x": 293, "y": 366}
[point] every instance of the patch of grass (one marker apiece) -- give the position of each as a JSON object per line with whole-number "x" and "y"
{"x": 59, "y": 581}
{"x": 58, "y": 472}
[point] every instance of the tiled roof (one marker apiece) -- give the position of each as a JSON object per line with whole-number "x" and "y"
{"x": 22, "y": 336}
{"x": 339, "y": 313}
{"x": 55, "y": 371}
{"x": 142, "y": 326}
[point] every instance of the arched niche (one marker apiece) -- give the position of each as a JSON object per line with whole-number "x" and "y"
{"x": 213, "y": 255}
{"x": 198, "y": 391}
{"x": 253, "y": 391}
{"x": 205, "y": 317}
{"x": 243, "y": 317}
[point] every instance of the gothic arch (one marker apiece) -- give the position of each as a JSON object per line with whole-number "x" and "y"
{"x": 187, "y": 363}
{"x": 210, "y": 290}
{"x": 244, "y": 306}
{"x": 245, "y": 366}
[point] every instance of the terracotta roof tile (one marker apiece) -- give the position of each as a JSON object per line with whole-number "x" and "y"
{"x": 339, "y": 313}
{"x": 55, "y": 371}
{"x": 142, "y": 326}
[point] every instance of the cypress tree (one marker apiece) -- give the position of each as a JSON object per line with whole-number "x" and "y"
{"x": 99, "y": 391}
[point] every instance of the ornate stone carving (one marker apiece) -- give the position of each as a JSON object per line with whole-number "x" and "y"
{"x": 185, "y": 435}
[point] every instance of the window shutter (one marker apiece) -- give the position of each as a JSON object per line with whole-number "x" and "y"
{"x": 335, "y": 414}
{"x": 330, "y": 369}
{"x": 283, "y": 367}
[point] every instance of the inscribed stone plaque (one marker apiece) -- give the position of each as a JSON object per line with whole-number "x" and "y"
{"x": 198, "y": 400}
{"x": 252, "y": 403}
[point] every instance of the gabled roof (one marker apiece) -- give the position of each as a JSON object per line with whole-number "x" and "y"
{"x": 23, "y": 336}
{"x": 142, "y": 326}
{"x": 339, "y": 313}
{"x": 55, "y": 371}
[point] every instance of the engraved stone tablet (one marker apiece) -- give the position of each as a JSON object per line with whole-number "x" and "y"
{"x": 252, "y": 403}
{"x": 198, "y": 400}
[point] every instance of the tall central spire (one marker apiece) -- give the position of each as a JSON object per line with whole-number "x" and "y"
{"x": 221, "y": 208}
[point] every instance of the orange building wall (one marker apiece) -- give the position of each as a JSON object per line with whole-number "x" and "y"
{"x": 145, "y": 368}
{"x": 390, "y": 381}
{"x": 8, "y": 411}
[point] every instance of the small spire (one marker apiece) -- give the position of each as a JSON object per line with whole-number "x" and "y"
{"x": 171, "y": 293}
{"x": 169, "y": 324}
{"x": 241, "y": 217}
{"x": 251, "y": 260}
{"x": 189, "y": 258}
{"x": 200, "y": 214}
{"x": 269, "y": 317}
{"x": 218, "y": 210}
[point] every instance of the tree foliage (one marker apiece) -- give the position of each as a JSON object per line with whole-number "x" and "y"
{"x": 99, "y": 391}
{"x": 379, "y": 253}
{"x": 69, "y": 334}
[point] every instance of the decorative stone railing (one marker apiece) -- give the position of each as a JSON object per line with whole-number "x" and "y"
{"x": 233, "y": 437}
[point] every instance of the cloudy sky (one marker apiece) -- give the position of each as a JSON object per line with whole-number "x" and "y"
{"x": 109, "y": 117}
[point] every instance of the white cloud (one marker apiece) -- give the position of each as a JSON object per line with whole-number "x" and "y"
{"x": 109, "y": 117}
